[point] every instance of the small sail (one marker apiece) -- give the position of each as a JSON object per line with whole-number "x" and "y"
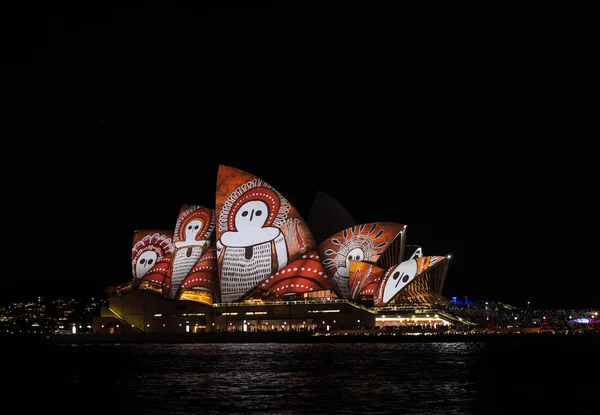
{"x": 366, "y": 242}
{"x": 151, "y": 257}
{"x": 192, "y": 237}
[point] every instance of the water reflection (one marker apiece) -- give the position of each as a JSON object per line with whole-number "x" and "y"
{"x": 343, "y": 378}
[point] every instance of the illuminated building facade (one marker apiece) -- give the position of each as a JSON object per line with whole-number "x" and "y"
{"x": 253, "y": 264}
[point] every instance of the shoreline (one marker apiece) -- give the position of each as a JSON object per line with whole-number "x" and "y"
{"x": 278, "y": 337}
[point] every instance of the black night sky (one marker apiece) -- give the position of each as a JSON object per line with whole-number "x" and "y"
{"x": 118, "y": 116}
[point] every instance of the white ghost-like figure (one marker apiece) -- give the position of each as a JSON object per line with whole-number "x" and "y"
{"x": 145, "y": 261}
{"x": 342, "y": 273}
{"x": 191, "y": 231}
{"x": 246, "y": 250}
{"x": 399, "y": 278}
{"x": 249, "y": 223}
{"x": 193, "y": 242}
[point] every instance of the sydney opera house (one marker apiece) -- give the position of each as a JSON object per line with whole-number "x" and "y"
{"x": 253, "y": 263}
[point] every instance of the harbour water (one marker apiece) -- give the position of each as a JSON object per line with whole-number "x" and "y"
{"x": 554, "y": 376}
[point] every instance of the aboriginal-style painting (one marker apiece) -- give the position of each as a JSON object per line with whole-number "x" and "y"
{"x": 193, "y": 230}
{"x": 369, "y": 289}
{"x": 363, "y": 275}
{"x": 398, "y": 277}
{"x": 426, "y": 262}
{"x": 366, "y": 242}
{"x": 258, "y": 233}
{"x": 303, "y": 275}
{"x": 412, "y": 251}
{"x": 151, "y": 257}
{"x": 201, "y": 283}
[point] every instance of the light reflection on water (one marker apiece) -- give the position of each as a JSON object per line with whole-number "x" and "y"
{"x": 341, "y": 378}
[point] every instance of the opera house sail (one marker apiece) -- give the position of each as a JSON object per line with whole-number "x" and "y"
{"x": 191, "y": 240}
{"x": 151, "y": 259}
{"x": 366, "y": 242}
{"x": 259, "y": 232}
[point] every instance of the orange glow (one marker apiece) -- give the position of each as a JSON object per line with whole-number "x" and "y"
{"x": 277, "y": 228}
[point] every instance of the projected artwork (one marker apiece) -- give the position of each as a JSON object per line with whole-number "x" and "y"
{"x": 362, "y": 275}
{"x": 148, "y": 247}
{"x": 398, "y": 277}
{"x": 413, "y": 252}
{"x": 255, "y": 247}
{"x": 423, "y": 263}
{"x": 366, "y": 242}
{"x": 151, "y": 256}
{"x": 201, "y": 283}
{"x": 158, "y": 275}
{"x": 258, "y": 233}
{"x": 300, "y": 276}
{"x": 394, "y": 280}
{"x": 193, "y": 230}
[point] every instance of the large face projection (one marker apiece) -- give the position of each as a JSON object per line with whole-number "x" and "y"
{"x": 250, "y": 225}
{"x": 194, "y": 227}
{"x": 193, "y": 230}
{"x": 366, "y": 242}
{"x": 394, "y": 280}
{"x": 259, "y": 232}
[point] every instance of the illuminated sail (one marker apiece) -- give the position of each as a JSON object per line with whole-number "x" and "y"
{"x": 201, "y": 283}
{"x": 416, "y": 280}
{"x": 362, "y": 276}
{"x": 366, "y": 242}
{"x": 303, "y": 275}
{"x": 193, "y": 230}
{"x": 258, "y": 232}
{"x": 151, "y": 258}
